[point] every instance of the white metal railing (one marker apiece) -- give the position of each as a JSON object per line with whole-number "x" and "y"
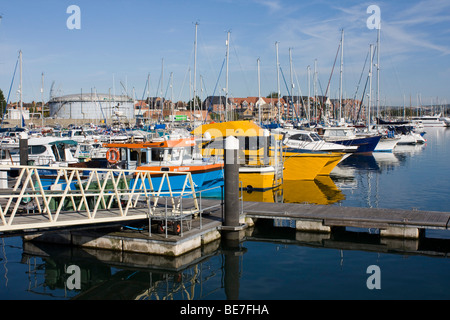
{"x": 87, "y": 192}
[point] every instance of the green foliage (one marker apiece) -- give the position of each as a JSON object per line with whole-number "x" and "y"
{"x": 2, "y": 102}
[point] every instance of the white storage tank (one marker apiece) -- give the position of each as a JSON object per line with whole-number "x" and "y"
{"x": 91, "y": 106}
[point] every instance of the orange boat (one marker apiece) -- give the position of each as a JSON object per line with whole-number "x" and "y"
{"x": 168, "y": 154}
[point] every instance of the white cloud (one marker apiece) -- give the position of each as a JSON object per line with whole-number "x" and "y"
{"x": 272, "y": 5}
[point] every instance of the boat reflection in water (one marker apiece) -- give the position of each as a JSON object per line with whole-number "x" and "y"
{"x": 321, "y": 190}
{"x": 328, "y": 189}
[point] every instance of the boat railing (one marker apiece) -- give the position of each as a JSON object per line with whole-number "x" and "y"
{"x": 88, "y": 192}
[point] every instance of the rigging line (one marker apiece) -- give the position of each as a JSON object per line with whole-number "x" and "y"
{"x": 299, "y": 89}
{"x": 364, "y": 92}
{"x": 167, "y": 88}
{"x": 9, "y": 93}
{"x": 209, "y": 109}
{"x": 289, "y": 93}
{"x": 332, "y": 69}
{"x": 143, "y": 94}
{"x": 201, "y": 43}
{"x": 360, "y": 77}
{"x": 242, "y": 70}
{"x": 185, "y": 75}
{"x": 100, "y": 104}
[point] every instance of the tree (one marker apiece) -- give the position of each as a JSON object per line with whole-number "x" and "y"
{"x": 273, "y": 95}
{"x": 190, "y": 105}
{"x": 2, "y": 102}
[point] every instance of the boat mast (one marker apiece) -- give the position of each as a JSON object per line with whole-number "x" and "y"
{"x": 309, "y": 93}
{"x": 171, "y": 97}
{"x": 378, "y": 71}
{"x": 341, "y": 71}
{"x": 259, "y": 92}
{"x": 278, "y": 83}
{"x": 226, "y": 87}
{"x": 162, "y": 81}
{"x": 195, "y": 67}
{"x": 315, "y": 90}
{"x": 42, "y": 97}
{"x": 292, "y": 82}
{"x": 20, "y": 90}
{"x": 370, "y": 86}
{"x": 148, "y": 96}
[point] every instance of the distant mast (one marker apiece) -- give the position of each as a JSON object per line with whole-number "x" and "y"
{"x": 341, "y": 72}
{"x": 226, "y": 88}
{"x": 195, "y": 68}
{"x": 42, "y": 97}
{"x": 370, "y": 86}
{"x": 259, "y": 92}
{"x": 20, "y": 90}
{"x": 378, "y": 70}
{"x": 278, "y": 84}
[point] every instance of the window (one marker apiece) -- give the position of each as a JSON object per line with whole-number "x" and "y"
{"x": 300, "y": 137}
{"x": 36, "y": 149}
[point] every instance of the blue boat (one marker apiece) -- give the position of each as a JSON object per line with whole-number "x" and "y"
{"x": 167, "y": 158}
{"x": 347, "y": 136}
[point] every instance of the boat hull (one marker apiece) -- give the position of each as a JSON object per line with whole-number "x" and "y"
{"x": 333, "y": 161}
{"x": 303, "y": 166}
{"x": 258, "y": 178}
{"x": 365, "y": 144}
{"x": 386, "y": 144}
{"x": 203, "y": 177}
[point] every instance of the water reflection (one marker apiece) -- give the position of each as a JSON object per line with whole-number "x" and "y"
{"x": 126, "y": 276}
{"x": 221, "y": 271}
{"x": 326, "y": 190}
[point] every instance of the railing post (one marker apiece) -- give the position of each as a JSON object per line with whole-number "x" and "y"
{"x": 231, "y": 182}
{"x": 23, "y": 149}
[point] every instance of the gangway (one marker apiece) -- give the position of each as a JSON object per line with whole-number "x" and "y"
{"x": 83, "y": 196}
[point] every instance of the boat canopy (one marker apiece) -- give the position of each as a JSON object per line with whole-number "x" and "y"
{"x": 230, "y": 128}
{"x": 69, "y": 142}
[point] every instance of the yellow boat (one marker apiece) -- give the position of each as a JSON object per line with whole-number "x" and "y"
{"x": 307, "y": 165}
{"x": 334, "y": 159}
{"x": 259, "y": 168}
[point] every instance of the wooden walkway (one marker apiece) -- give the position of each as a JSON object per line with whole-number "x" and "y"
{"x": 336, "y": 216}
{"x": 315, "y": 218}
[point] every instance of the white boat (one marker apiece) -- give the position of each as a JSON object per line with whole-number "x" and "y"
{"x": 432, "y": 121}
{"x": 42, "y": 151}
{"x": 81, "y": 135}
{"x": 309, "y": 140}
{"x": 407, "y": 134}
{"x": 387, "y": 144}
{"x": 388, "y": 140}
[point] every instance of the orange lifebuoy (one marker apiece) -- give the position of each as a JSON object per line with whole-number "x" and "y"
{"x": 113, "y": 155}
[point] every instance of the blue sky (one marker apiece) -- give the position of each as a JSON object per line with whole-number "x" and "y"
{"x": 121, "y": 42}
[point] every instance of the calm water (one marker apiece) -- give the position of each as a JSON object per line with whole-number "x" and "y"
{"x": 272, "y": 262}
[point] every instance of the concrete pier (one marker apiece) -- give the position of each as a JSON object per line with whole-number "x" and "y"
{"x": 399, "y": 228}
{"x": 122, "y": 239}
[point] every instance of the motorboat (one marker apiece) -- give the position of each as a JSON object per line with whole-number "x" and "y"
{"x": 347, "y": 136}
{"x": 260, "y": 157}
{"x": 432, "y": 121}
{"x": 310, "y": 140}
{"x": 172, "y": 154}
{"x": 407, "y": 134}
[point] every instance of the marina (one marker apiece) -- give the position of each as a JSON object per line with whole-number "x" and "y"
{"x": 206, "y": 241}
{"x": 274, "y": 165}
